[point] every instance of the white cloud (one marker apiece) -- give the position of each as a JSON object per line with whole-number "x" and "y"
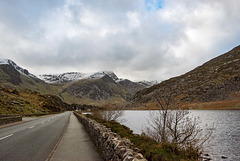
{"x": 128, "y": 37}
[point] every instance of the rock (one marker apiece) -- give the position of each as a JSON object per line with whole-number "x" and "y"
{"x": 129, "y": 152}
{"x": 121, "y": 151}
{"x": 139, "y": 156}
{"x": 136, "y": 150}
{"x": 224, "y": 157}
{"x": 206, "y": 157}
{"x": 128, "y": 158}
{"x": 115, "y": 158}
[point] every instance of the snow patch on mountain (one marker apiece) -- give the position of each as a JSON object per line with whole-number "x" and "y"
{"x": 18, "y": 68}
{"x": 75, "y": 76}
{"x": 61, "y": 78}
{"x": 148, "y": 83}
{"x": 4, "y": 61}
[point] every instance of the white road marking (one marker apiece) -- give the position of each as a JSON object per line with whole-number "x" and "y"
{"x": 6, "y": 136}
{"x": 31, "y": 127}
{"x": 42, "y": 122}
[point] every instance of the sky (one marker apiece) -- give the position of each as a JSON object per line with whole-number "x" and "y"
{"x": 136, "y": 39}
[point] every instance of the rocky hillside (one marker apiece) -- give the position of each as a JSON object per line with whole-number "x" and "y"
{"x": 96, "y": 90}
{"x": 92, "y": 88}
{"x": 215, "y": 80}
{"x": 25, "y": 101}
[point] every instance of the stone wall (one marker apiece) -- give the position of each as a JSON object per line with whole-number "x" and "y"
{"x": 113, "y": 147}
{"x": 6, "y": 119}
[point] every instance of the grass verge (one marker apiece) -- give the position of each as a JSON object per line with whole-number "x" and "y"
{"x": 151, "y": 150}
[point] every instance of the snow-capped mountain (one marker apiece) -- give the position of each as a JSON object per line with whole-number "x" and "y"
{"x": 75, "y": 76}
{"x": 102, "y": 74}
{"x": 148, "y": 83}
{"x": 61, "y": 78}
{"x": 18, "y": 68}
{"x": 98, "y": 86}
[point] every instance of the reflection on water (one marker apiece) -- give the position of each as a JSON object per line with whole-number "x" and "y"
{"x": 225, "y": 140}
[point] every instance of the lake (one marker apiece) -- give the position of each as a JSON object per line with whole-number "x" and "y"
{"x": 225, "y": 140}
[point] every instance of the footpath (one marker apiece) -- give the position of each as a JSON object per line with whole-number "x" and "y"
{"x": 75, "y": 144}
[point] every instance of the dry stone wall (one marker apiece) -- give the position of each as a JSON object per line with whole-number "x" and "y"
{"x": 6, "y": 119}
{"x": 113, "y": 147}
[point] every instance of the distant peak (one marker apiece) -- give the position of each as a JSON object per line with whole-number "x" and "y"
{"x": 107, "y": 72}
{"x": 18, "y": 68}
{"x": 6, "y": 61}
{"x": 75, "y": 76}
{"x": 148, "y": 83}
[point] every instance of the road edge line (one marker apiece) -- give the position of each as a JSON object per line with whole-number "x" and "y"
{"x": 59, "y": 140}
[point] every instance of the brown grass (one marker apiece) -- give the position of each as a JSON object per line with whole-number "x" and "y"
{"x": 216, "y": 105}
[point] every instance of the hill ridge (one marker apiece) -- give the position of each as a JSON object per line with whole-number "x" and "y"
{"x": 215, "y": 80}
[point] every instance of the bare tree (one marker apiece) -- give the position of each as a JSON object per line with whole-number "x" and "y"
{"x": 172, "y": 123}
{"x": 109, "y": 112}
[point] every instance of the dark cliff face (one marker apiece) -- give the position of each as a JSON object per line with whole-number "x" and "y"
{"x": 217, "y": 79}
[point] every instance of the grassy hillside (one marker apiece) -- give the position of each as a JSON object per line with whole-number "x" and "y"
{"x": 216, "y": 80}
{"x": 26, "y": 101}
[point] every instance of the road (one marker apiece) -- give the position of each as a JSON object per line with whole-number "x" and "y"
{"x": 33, "y": 140}
{"x": 76, "y": 144}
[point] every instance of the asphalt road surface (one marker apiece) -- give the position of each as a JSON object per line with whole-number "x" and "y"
{"x": 33, "y": 140}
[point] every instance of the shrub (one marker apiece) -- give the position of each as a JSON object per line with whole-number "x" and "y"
{"x": 151, "y": 150}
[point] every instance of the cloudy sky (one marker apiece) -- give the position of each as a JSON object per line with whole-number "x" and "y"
{"x": 137, "y": 39}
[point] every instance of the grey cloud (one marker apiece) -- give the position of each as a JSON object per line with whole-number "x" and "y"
{"x": 119, "y": 35}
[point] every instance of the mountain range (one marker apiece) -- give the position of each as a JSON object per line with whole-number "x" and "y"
{"x": 72, "y": 87}
{"x": 215, "y": 84}
{"x": 76, "y": 76}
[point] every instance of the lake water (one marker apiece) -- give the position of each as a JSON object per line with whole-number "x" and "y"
{"x": 225, "y": 140}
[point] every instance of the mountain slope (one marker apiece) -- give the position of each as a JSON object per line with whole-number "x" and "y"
{"x": 14, "y": 76}
{"x": 25, "y": 101}
{"x": 215, "y": 80}
{"x": 95, "y": 91}
{"x": 94, "y": 88}
{"x": 131, "y": 86}
{"x": 15, "y": 66}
